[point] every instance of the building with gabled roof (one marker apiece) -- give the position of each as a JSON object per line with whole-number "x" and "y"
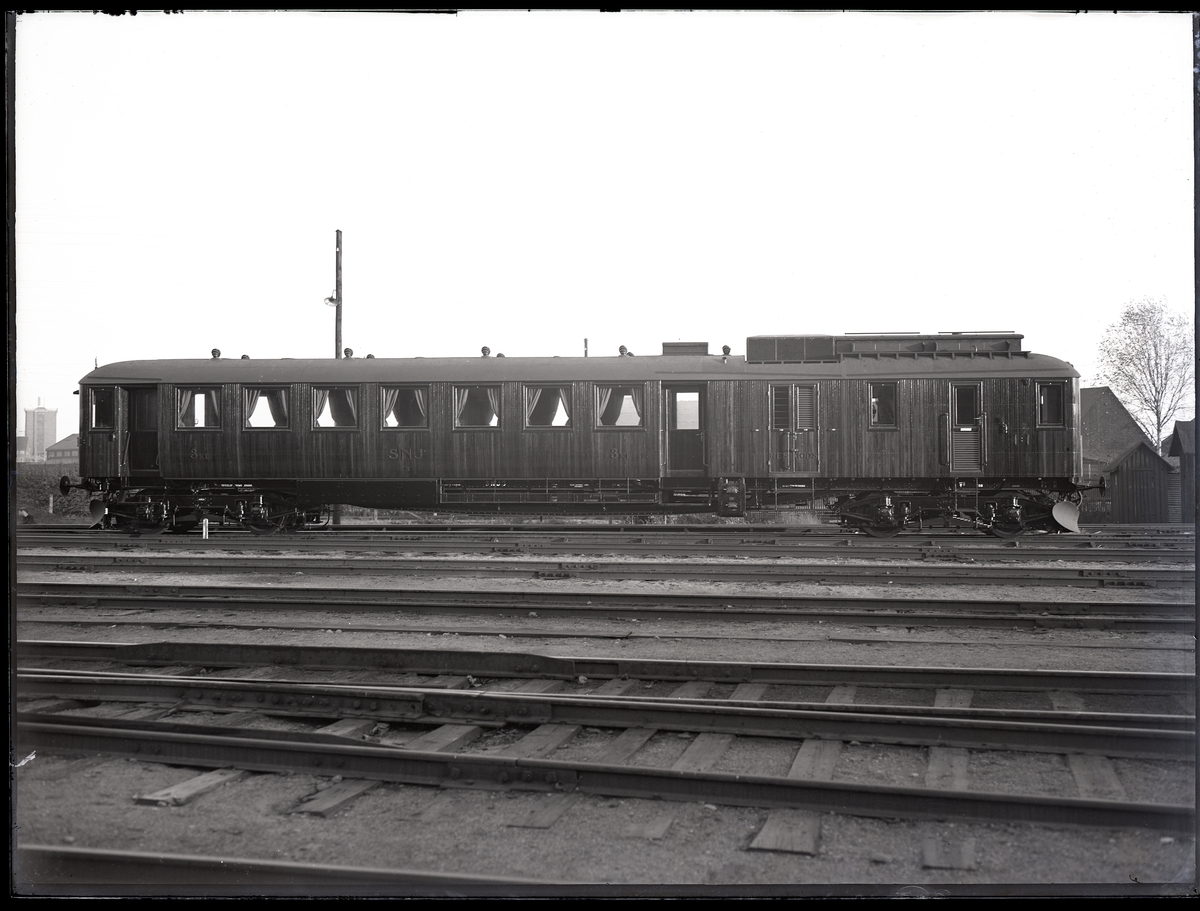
{"x": 64, "y": 452}
{"x": 1109, "y": 432}
{"x": 1140, "y": 484}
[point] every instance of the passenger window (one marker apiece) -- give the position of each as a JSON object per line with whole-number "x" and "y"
{"x": 335, "y": 406}
{"x": 883, "y": 404}
{"x": 547, "y": 406}
{"x": 198, "y": 408}
{"x": 405, "y": 407}
{"x": 266, "y": 408}
{"x": 620, "y": 406}
{"x": 477, "y": 406}
{"x": 1050, "y": 405}
{"x": 104, "y": 411}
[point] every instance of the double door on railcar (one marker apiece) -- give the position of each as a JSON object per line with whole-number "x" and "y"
{"x": 122, "y": 431}
{"x": 794, "y": 430}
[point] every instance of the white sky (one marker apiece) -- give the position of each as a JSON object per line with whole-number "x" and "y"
{"x": 529, "y": 180}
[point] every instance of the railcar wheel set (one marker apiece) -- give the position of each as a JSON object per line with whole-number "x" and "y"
{"x": 892, "y": 432}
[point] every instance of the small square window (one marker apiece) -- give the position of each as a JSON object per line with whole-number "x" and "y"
{"x": 1050, "y": 405}
{"x": 266, "y": 408}
{"x": 883, "y": 404}
{"x": 335, "y": 406}
{"x": 547, "y": 406}
{"x": 620, "y": 406}
{"x": 104, "y": 411}
{"x": 404, "y": 407}
{"x": 198, "y": 408}
{"x": 477, "y": 406}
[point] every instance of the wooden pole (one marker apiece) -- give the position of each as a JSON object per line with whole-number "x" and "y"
{"x": 337, "y": 339}
{"x": 337, "y": 293}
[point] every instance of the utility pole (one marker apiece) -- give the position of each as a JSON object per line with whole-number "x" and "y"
{"x": 337, "y": 293}
{"x": 336, "y": 300}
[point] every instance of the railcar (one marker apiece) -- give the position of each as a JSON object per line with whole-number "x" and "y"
{"x": 891, "y": 431}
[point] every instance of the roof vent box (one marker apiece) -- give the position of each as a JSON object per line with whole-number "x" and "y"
{"x": 789, "y": 349}
{"x": 685, "y": 348}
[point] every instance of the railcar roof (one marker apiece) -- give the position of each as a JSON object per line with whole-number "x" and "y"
{"x": 679, "y": 368}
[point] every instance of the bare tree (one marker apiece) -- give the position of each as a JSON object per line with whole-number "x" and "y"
{"x": 1148, "y": 358}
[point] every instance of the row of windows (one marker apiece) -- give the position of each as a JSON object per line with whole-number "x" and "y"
{"x": 479, "y": 407}
{"x": 401, "y": 407}
{"x": 884, "y": 407}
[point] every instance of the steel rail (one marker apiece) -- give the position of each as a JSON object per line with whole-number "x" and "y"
{"x": 466, "y": 662}
{"x": 479, "y": 770}
{"x": 708, "y": 546}
{"x": 50, "y": 870}
{"x": 1163, "y": 617}
{"x": 598, "y": 528}
{"x": 439, "y": 706}
{"x": 741, "y": 571}
{"x": 126, "y": 690}
{"x": 523, "y": 631}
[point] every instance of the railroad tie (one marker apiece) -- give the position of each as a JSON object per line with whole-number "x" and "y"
{"x": 1095, "y": 777}
{"x": 947, "y": 768}
{"x": 799, "y": 831}
{"x": 187, "y": 791}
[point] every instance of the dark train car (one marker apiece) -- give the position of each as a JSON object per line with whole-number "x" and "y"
{"x": 892, "y": 430}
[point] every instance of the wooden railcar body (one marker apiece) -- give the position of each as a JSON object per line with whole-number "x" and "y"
{"x": 796, "y": 420}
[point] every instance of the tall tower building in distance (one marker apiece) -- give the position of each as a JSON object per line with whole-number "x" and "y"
{"x": 40, "y": 431}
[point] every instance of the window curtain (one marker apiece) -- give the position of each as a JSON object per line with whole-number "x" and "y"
{"x": 343, "y": 406}
{"x": 476, "y": 406}
{"x": 186, "y": 417}
{"x": 533, "y": 416}
{"x": 390, "y": 396}
{"x": 320, "y": 397}
{"x": 408, "y": 407}
{"x": 212, "y": 408}
{"x": 612, "y": 401}
{"x": 637, "y": 393}
{"x": 493, "y": 396}
{"x": 277, "y": 402}
{"x": 608, "y": 405}
{"x": 252, "y": 396}
{"x": 564, "y": 396}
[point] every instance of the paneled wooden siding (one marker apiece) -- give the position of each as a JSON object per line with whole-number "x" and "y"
{"x": 372, "y": 451}
{"x": 1014, "y": 445}
{"x": 737, "y": 437}
{"x": 1139, "y": 489}
{"x": 735, "y": 429}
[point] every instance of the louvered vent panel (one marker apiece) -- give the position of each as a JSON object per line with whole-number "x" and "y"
{"x": 806, "y": 407}
{"x": 965, "y": 452}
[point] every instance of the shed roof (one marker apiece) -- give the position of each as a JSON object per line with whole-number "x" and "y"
{"x": 1134, "y": 450}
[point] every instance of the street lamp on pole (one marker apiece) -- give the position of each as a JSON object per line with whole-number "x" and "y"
{"x": 336, "y": 300}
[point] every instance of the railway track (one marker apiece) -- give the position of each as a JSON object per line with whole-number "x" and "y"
{"x": 440, "y": 724}
{"x": 759, "y": 762}
{"x": 1136, "y": 616}
{"x": 737, "y": 571}
{"x": 688, "y": 542}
